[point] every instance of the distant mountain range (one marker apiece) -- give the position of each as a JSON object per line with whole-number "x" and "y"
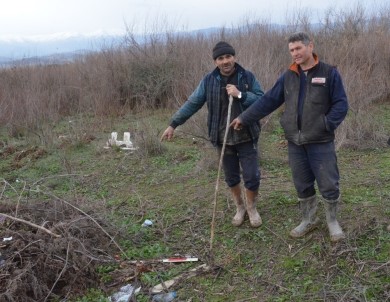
{"x": 61, "y": 47}
{"x": 57, "y": 48}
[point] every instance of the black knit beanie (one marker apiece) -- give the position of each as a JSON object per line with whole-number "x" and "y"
{"x": 223, "y": 48}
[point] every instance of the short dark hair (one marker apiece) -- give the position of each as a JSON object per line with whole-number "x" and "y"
{"x": 299, "y": 37}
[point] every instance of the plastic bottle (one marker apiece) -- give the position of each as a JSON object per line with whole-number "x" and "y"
{"x": 167, "y": 297}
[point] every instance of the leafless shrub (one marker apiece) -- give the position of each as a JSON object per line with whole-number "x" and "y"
{"x": 163, "y": 69}
{"x": 148, "y": 141}
{"x": 358, "y": 46}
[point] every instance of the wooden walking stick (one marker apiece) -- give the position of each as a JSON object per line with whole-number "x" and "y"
{"x": 219, "y": 172}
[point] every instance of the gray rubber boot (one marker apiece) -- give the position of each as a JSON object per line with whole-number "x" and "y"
{"x": 251, "y": 200}
{"x": 335, "y": 231}
{"x": 238, "y": 219}
{"x": 309, "y": 221}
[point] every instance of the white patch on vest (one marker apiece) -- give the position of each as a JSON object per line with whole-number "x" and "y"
{"x": 318, "y": 80}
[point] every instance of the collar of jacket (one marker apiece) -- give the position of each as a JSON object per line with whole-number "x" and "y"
{"x": 295, "y": 67}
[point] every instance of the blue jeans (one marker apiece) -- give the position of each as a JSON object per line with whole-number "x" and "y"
{"x": 314, "y": 162}
{"x": 244, "y": 155}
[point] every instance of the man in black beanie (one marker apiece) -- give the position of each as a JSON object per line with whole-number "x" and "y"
{"x": 229, "y": 79}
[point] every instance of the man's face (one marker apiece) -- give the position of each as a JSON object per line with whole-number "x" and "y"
{"x": 300, "y": 52}
{"x": 225, "y": 63}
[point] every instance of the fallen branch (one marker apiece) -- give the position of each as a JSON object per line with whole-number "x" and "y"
{"x": 31, "y": 224}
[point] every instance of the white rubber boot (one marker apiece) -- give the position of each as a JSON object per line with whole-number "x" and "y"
{"x": 238, "y": 218}
{"x": 309, "y": 221}
{"x": 251, "y": 200}
{"x": 335, "y": 231}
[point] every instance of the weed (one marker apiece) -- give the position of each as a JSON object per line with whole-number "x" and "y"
{"x": 93, "y": 295}
{"x": 149, "y": 251}
{"x": 104, "y": 271}
{"x": 374, "y": 245}
{"x": 293, "y": 265}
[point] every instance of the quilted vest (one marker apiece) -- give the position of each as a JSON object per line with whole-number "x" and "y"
{"x": 316, "y": 104}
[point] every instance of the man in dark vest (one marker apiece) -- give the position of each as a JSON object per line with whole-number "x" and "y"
{"x": 315, "y": 105}
{"x": 229, "y": 79}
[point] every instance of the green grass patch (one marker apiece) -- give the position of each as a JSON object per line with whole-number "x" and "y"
{"x": 175, "y": 189}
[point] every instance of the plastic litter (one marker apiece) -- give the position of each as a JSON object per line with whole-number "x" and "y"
{"x": 173, "y": 259}
{"x": 124, "y": 144}
{"x": 159, "y": 288}
{"x": 167, "y": 297}
{"x": 180, "y": 259}
{"x": 147, "y": 222}
{"x": 7, "y": 238}
{"x": 124, "y": 294}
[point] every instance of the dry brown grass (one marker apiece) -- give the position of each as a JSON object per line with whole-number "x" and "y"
{"x": 164, "y": 70}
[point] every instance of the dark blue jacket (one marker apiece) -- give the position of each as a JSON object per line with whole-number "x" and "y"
{"x": 208, "y": 91}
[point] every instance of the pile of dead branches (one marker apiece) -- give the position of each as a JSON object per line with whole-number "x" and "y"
{"x": 50, "y": 250}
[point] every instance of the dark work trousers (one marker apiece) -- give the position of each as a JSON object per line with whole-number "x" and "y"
{"x": 244, "y": 155}
{"x": 312, "y": 163}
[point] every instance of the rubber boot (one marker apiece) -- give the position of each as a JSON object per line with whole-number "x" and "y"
{"x": 238, "y": 219}
{"x": 335, "y": 231}
{"x": 309, "y": 221}
{"x": 254, "y": 217}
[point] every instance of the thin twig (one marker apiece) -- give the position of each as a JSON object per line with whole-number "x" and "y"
{"x": 7, "y": 183}
{"x": 141, "y": 206}
{"x": 20, "y": 197}
{"x": 84, "y": 213}
{"x": 289, "y": 245}
{"x": 60, "y": 274}
{"x": 31, "y": 243}
{"x": 247, "y": 299}
{"x": 277, "y": 285}
{"x": 54, "y": 176}
{"x": 31, "y": 224}
{"x": 302, "y": 247}
{"x": 377, "y": 268}
{"x": 2, "y": 192}
{"x": 354, "y": 249}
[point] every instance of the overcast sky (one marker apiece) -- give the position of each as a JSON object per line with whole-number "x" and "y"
{"x": 27, "y": 18}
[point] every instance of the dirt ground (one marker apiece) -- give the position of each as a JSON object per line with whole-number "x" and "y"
{"x": 37, "y": 266}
